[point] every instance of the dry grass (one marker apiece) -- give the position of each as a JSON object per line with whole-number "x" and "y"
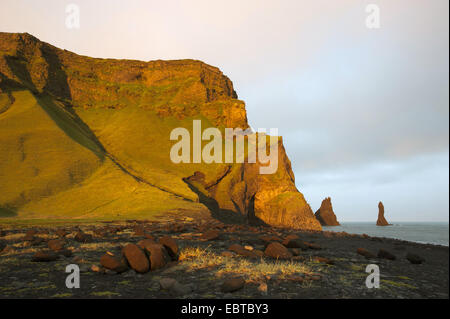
{"x": 196, "y": 258}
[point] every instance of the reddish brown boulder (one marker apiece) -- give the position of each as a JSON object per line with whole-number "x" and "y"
{"x": 44, "y": 256}
{"x": 240, "y": 250}
{"x": 82, "y": 237}
{"x": 65, "y": 252}
{"x": 144, "y": 243}
{"x": 325, "y": 214}
{"x": 210, "y": 235}
{"x": 56, "y": 244}
{"x": 157, "y": 254}
{"x": 295, "y": 243}
{"x": 136, "y": 258}
{"x": 113, "y": 263}
{"x": 171, "y": 246}
{"x": 278, "y": 251}
{"x": 270, "y": 238}
{"x": 233, "y": 284}
{"x": 364, "y": 252}
{"x": 312, "y": 245}
{"x": 381, "y": 221}
{"x": 323, "y": 260}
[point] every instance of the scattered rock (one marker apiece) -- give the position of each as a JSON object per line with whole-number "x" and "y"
{"x": 113, "y": 263}
{"x": 96, "y": 268}
{"x": 227, "y": 254}
{"x": 295, "y": 243}
{"x": 233, "y": 284}
{"x": 210, "y": 235}
{"x": 44, "y": 256}
{"x": 166, "y": 283}
{"x": 36, "y": 241}
{"x": 240, "y": 250}
{"x": 278, "y": 251}
{"x": 323, "y": 260}
{"x": 262, "y": 288}
{"x": 270, "y": 238}
{"x": 136, "y": 258}
{"x": 144, "y": 243}
{"x": 382, "y": 253}
{"x": 415, "y": 259}
{"x": 312, "y": 246}
{"x": 82, "y": 237}
{"x": 178, "y": 289}
{"x": 158, "y": 255}
{"x": 364, "y": 252}
{"x": 56, "y": 244}
{"x": 65, "y": 252}
{"x": 171, "y": 246}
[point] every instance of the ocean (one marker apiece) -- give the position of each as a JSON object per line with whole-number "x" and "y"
{"x": 427, "y": 233}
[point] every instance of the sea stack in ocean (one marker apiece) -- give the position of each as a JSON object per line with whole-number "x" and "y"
{"x": 381, "y": 221}
{"x": 325, "y": 214}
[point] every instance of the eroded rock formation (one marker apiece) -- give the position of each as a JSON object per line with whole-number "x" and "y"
{"x": 325, "y": 214}
{"x": 107, "y": 124}
{"x": 381, "y": 221}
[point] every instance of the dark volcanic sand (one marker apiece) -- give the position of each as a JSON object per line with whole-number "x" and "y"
{"x": 20, "y": 277}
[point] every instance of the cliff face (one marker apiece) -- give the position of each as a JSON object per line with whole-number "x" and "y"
{"x": 86, "y": 137}
{"x": 381, "y": 221}
{"x": 325, "y": 214}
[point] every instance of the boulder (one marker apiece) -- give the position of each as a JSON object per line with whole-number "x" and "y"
{"x": 56, "y": 244}
{"x": 382, "y": 253}
{"x": 82, "y": 237}
{"x": 414, "y": 259}
{"x": 325, "y": 214}
{"x": 157, "y": 254}
{"x": 323, "y": 260}
{"x": 136, "y": 258}
{"x": 171, "y": 246}
{"x": 113, "y": 263}
{"x": 210, "y": 235}
{"x": 278, "y": 251}
{"x": 44, "y": 256}
{"x": 295, "y": 243}
{"x": 233, "y": 284}
{"x": 364, "y": 252}
{"x": 240, "y": 250}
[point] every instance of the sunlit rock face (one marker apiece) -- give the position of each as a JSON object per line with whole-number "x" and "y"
{"x": 325, "y": 214}
{"x": 88, "y": 137}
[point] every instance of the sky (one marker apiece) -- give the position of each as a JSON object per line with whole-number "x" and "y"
{"x": 364, "y": 112}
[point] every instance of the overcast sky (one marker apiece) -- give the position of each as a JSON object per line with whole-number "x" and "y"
{"x": 363, "y": 112}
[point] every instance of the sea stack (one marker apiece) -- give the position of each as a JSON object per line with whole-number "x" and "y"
{"x": 325, "y": 214}
{"x": 381, "y": 220}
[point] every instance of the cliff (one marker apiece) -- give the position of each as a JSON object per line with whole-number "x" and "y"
{"x": 325, "y": 214}
{"x": 83, "y": 137}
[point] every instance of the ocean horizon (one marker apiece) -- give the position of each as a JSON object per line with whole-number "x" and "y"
{"x": 420, "y": 232}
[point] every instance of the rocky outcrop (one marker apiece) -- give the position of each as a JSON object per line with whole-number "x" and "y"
{"x": 381, "y": 221}
{"x": 241, "y": 191}
{"x": 325, "y": 214}
{"x": 110, "y": 120}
